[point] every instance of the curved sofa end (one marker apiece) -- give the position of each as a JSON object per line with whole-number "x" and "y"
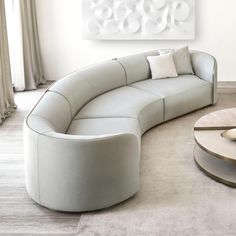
{"x": 80, "y": 173}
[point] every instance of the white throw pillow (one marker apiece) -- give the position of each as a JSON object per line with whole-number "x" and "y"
{"x": 162, "y": 66}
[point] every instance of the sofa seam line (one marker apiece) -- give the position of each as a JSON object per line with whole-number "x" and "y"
{"x": 106, "y": 117}
{"x": 47, "y": 135}
{"x": 44, "y": 94}
{"x": 145, "y": 107}
{"x": 214, "y": 82}
{"x": 69, "y": 106}
{"x": 126, "y": 77}
{"x": 160, "y": 96}
{"x": 65, "y": 99}
{"x": 91, "y": 87}
{"x": 39, "y": 196}
{"x": 156, "y": 95}
{"x": 42, "y": 118}
{"x": 164, "y": 110}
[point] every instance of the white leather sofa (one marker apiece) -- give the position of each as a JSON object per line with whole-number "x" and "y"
{"x": 82, "y": 139}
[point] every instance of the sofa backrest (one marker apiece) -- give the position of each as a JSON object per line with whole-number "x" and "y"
{"x": 52, "y": 113}
{"x": 136, "y": 66}
{"x": 82, "y": 86}
{"x": 67, "y": 96}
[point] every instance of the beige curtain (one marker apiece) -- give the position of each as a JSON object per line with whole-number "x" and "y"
{"x": 31, "y": 53}
{"x": 7, "y": 104}
{"x": 24, "y": 45}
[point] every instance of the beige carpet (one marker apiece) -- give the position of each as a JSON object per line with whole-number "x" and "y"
{"x": 175, "y": 197}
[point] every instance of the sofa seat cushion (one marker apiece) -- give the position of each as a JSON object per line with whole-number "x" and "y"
{"x": 181, "y": 95}
{"x": 104, "y": 126}
{"x": 126, "y": 102}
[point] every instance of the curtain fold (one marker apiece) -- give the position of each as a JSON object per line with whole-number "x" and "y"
{"x": 31, "y": 52}
{"x": 25, "y": 55}
{"x": 7, "y": 104}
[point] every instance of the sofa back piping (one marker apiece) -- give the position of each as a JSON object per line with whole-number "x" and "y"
{"x": 126, "y": 78}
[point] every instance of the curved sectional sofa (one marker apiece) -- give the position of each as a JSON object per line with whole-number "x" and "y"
{"x": 82, "y": 139}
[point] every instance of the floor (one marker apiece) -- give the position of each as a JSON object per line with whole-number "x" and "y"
{"x": 175, "y": 197}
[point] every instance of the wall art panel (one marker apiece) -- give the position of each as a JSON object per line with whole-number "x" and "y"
{"x": 138, "y": 19}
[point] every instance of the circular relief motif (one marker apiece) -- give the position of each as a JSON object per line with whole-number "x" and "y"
{"x": 131, "y": 4}
{"x": 152, "y": 8}
{"x": 158, "y": 4}
{"x": 96, "y": 2}
{"x": 112, "y": 27}
{"x": 158, "y": 26}
{"x": 132, "y": 23}
{"x": 153, "y": 27}
{"x": 94, "y": 27}
{"x": 132, "y": 26}
{"x": 103, "y": 12}
{"x": 182, "y": 11}
{"x": 121, "y": 12}
{"x": 110, "y": 2}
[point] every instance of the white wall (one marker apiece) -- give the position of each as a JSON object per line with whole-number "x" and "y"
{"x": 63, "y": 50}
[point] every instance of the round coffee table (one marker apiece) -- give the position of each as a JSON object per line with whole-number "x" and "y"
{"x": 215, "y": 155}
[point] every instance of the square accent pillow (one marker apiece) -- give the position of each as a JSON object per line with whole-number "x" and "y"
{"x": 181, "y": 58}
{"x": 162, "y": 66}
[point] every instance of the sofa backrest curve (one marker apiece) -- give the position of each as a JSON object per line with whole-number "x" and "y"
{"x": 82, "y": 86}
{"x": 65, "y": 98}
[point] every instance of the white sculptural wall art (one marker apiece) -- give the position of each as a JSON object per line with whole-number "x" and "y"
{"x": 138, "y": 19}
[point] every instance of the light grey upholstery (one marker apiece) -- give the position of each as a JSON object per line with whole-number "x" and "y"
{"x": 136, "y": 66}
{"x": 82, "y": 139}
{"x": 104, "y": 126}
{"x": 55, "y": 110}
{"x": 82, "y": 86}
{"x": 81, "y": 173}
{"x": 126, "y": 102}
{"x": 205, "y": 67}
{"x": 181, "y": 95}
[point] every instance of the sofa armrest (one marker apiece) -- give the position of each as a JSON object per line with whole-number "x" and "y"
{"x": 81, "y": 173}
{"x": 205, "y": 67}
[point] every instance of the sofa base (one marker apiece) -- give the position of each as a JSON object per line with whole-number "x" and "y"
{"x": 84, "y": 210}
